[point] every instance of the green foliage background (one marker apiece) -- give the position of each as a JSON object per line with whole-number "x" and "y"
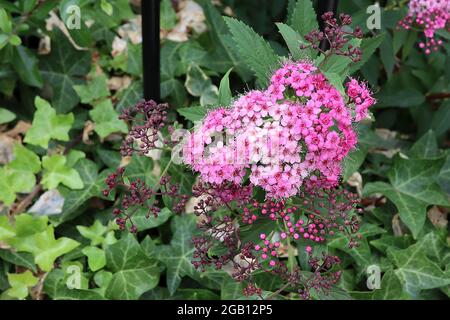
{"x": 401, "y": 167}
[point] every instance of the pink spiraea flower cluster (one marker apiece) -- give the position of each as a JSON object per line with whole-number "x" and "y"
{"x": 431, "y": 16}
{"x": 296, "y": 131}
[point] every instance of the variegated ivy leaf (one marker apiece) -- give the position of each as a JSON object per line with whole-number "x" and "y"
{"x": 412, "y": 189}
{"x": 48, "y": 125}
{"x": 416, "y": 270}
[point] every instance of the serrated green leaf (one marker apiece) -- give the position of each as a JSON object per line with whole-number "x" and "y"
{"x": 56, "y": 172}
{"x": 193, "y": 114}
{"x": 253, "y": 50}
{"x": 303, "y": 18}
{"x": 48, "y": 125}
{"x": 294, "y": 40}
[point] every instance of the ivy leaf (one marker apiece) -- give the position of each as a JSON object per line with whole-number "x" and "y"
{"x": 22, "y": 259}
{"x": 44, "y": 247}
{"x": 94, "y": 233}
{"x": 93, "y": 90}
{"x": 48, "y": 125}
{"x": 26, "y": 66}
{"x": 93, "y": 183}
{"x": 178, "y": 255}
{"x": 415, "y": 270}
{"x": 20, "y": 283}
{"x": 6, "y": 230}
{"x": 106, "y": 119}
{"x": 135, "y": 273}
{"x": 225, "y": 95}
{"x": 96, "y": 257}
{"x": 6, "y": 116}
{"x": 253, "y": 50}
{"x": 303, "y": 18}
{"x": 142, "y": 222}
{"x": 200, "y": 85}
{"x": 412, "y": 188}
{"x": 56, "y": 172}
{"x": 27, "y": 225}
{"x": 18, "y": 176}
{"x": 62, "y": 69}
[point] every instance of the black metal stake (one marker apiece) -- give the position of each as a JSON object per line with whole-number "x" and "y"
{"x": 326, "y": 6}
{"x": 150, "y": 49}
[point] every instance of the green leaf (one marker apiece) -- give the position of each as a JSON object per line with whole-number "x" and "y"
{"x": 368, "y": 47}
{"x": 168, "y": 15}
{"x": 6, "y": 230}
{"x": 303, "y": 18}
{"x": 107, "y": 120}
{"x": 354, "y": 160}
{"x": 253, "y": 50}
{"x": 225, "y": 95}
{"x": 178, "y": 255}
{"x": 93, "y": 183}
{"x": 20, "y": 283}
{"x": 27, "y": 225}
{"x": 95, "y": 233}
{"x": 200, "y": 85}
{"x": 6, "y": 116}
{"x": 96, "y": 257}
{"x": 294, "y": 40}
{"x": 93, "y": 90}
{"x": 412, "y": 188}
{"x": 44, "y": 247}
{"x": 426, "y": 147}
{"x": 415, "y": 270}
{"x": 19, "y": 174}
{"x": 106, "y": 7}
{"x": 26, "y": 66}
{"x": 48, "y": 125}
{"x": 56, "y": 172}
{"x": 142, "y": 222}
{"x": 22, "y": 259}
{"x": 193, "y": 114}
{"x": 130, "y": 96}
{"x": 5, "y": 21}
{"x": 134, "y": 273}
{"x": 62, "y": 69}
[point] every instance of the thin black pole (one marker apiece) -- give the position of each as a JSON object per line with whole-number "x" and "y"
{"x": 150, "y": 49}
{"x": 326, "y": 6}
